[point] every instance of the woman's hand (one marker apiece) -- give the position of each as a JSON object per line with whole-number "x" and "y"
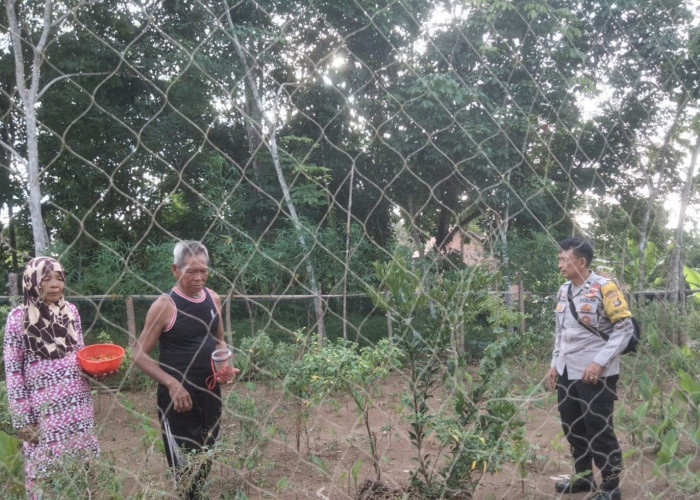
{"x": 29, "y": 433}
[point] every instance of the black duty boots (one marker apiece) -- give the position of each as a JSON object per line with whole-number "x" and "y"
{"x": 609, "y": 490}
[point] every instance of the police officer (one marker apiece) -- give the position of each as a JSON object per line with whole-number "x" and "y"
{"x": 585, "y": 368}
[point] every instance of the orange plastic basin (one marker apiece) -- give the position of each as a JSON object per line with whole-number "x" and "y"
{"x": 98, "y": 359}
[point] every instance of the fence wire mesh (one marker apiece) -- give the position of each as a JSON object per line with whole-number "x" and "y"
{"x": 381, "y": 185}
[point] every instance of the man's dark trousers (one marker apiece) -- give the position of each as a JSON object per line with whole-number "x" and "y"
{"x": 586, "y": 412}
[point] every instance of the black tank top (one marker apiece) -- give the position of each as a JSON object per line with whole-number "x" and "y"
{"x": 186, "y": 347}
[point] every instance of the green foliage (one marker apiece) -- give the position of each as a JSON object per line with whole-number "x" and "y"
{"x": 651, "y": 260}
{"x": 692, "y": 278}
{"x": 144, "y": 425}
{"x": 343, "y": 367}
{"x": 116, "y": 268}
{"x": 663, "y": 325}
{"x": 271, "y": 265}
{"x": 691, "y": 326}
{"x": 434, "y": 314}
{"x": 11, "y": 466}
{"x": 129, "y": 377}
{"x": 74, "y": 477}
{"x": 624, "y": 257}
{"x": 486, "y": 429}
{"x": 242, "y": 445}
{"x": 4, "y": 311}
{"x": 351, "y": 475}
{"x": 667, "y": 416}
{"x": 676, "y": 431}
{"x": 531, "y": 257}
{"x": 5, "y": 415}
{"x": 155, "y": 137}
{"x": 261, "y": 358}
{"x": 252, "y": 433}
{"x": 256, "y": 354}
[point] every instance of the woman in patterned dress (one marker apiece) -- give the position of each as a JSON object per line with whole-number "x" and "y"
{"x": 49, "y": 398}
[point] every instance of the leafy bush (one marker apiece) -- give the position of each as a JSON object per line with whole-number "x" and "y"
{"x": 241, "y": 446}
{"x": 437, "y": 316}
{"x": 692, "y": 326}
{"x": 11, "y": 467}
{"x": 129, "y": 377}
{"x": 117, "y": 268}
{"x": 261, "y": 358}
{"x": 5, "y": 415}
{"x": 4, "y": 310}
{"x": 344, "y": 368}
{"x": 663, "y": 380}
{"x": 486, "y": 427}
{"x": 75, "y": 477}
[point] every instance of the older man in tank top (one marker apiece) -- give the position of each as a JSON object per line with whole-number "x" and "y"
{"x": 186, "y": 324}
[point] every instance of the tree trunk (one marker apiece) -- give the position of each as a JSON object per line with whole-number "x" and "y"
{"x": 448, "y": 206}
{"x": 413, "y": 229}
{"x": 675, "y": 288}
{"x": 253, "y": 127}
{"x": 659, "y": 166}
{"x": 348, "y": 222}
{"x": 270, "y": 142}
{"x": 29, "y": 97}
{"x": 13, "y": 240}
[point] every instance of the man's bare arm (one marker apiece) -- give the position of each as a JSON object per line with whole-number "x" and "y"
{"x": 157, "y": 318}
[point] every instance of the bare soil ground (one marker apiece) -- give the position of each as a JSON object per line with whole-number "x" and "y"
{"x": 334, "y": 441}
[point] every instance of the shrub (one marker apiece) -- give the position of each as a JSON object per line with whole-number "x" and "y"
{"x": 261, "y": 358}
{"x": 344, "y": 368}
{"x": 4, "y": 310}
{"x": 438, "y": 316}
{"x": 74, "y": 477}
{"x": 5, "y": 415}
{"x": 11, "y": 467}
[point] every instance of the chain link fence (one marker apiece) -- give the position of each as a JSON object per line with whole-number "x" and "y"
{"x": 363, "y": 171}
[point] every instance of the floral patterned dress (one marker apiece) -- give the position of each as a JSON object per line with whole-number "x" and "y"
{"x": 51, "y": 394}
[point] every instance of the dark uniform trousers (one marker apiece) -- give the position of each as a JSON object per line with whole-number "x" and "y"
{"x": 586, "y": 412}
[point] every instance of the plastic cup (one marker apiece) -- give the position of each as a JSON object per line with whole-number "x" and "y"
{"x": 223, "y": 365}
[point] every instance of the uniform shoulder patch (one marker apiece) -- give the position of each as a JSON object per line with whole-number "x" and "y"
{"x": 614, "y": 302}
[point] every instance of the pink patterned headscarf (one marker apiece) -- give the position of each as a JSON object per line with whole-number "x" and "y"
{"x": 48, "y": 328}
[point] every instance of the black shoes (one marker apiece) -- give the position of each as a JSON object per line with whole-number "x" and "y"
{"x": 581, "y": 484}
{"x": 607, "y": 495}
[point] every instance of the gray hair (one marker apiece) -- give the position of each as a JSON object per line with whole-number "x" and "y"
{"x": 187, "y": 249}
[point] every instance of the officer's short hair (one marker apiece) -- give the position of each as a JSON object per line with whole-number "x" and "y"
{"x": 580, "y": 246}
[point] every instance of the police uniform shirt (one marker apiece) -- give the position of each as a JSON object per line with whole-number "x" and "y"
{"x": 601, "y": 305}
